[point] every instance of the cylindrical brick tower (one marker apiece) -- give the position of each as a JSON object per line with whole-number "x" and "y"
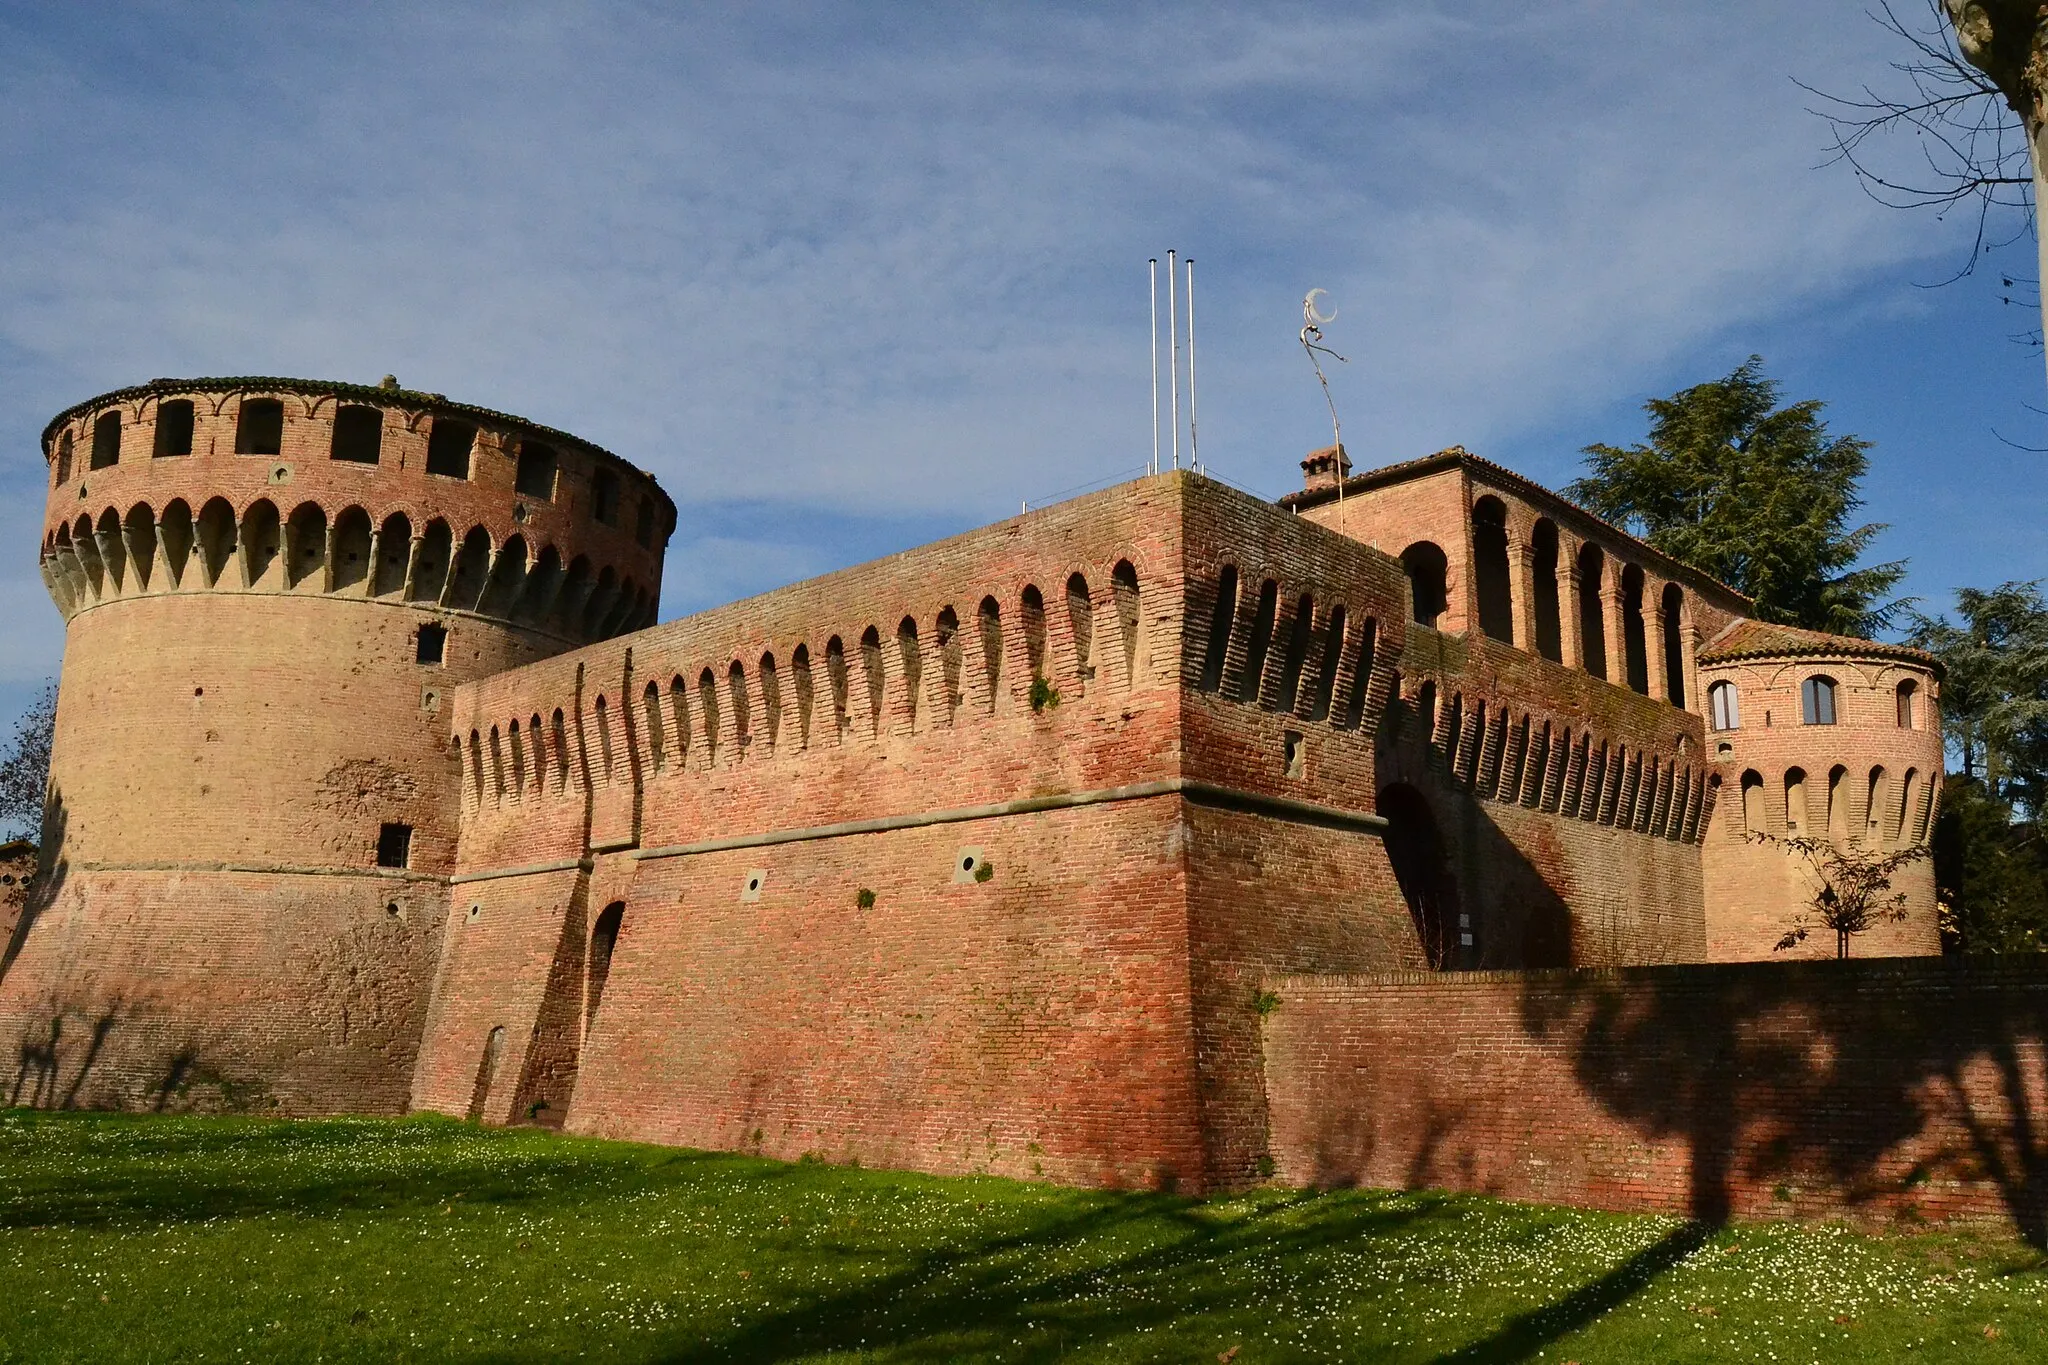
{"x": 269, "y": 585}
{"x": 1823, "y": 737}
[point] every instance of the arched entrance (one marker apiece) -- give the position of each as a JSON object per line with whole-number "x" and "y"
{"x": 1416, "y": 850}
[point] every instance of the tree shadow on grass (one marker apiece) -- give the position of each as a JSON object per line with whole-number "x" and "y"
{"x": 174, "y": 1172}
{"x": 1037, "y": 1294}
{"x": 1522, "y": 1337}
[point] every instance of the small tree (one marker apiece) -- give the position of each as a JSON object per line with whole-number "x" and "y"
{"x": 25, "y": 767}
{"x": 1855, "y": 889}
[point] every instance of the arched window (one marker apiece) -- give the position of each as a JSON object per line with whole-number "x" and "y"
{"x": 1592, "y": 620}
{"x": 1634, "y": 640}
{"x": 1672, "y": 609}
{"x": 1490, "y": 569}
{"x": 1724, "y": 709}
{"x": 1906, "y": 697}
{"x": 1549, "y": 636}
{"x": 1428, "y": 585}
{"x": 1817, "y": 700}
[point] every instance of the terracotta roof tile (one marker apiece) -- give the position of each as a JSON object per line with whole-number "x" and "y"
{"x": 1748, "y": 639}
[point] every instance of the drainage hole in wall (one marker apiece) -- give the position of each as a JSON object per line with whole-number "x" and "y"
{"x": 475, "y": 910}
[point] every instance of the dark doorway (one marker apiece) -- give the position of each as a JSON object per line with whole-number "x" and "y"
{"x": 1416, "y": 850}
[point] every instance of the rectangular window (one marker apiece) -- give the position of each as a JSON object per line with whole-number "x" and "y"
{"x": 604, "y": 496}
{"x": 644, "y": 530}
{"x": 448, "y": 446}
{"x": 106, "y": 440}
{"x": 358, "y": 434}
{"x": 536, "y": 476}
{"x": 1727, "y": 714}
{"x": 173, "y": 428}
{"x": 394, "y": 846}
{"x": 1817, "y": 697}
{"x": 433, "y": 643}
{"x": 259, "y": 427}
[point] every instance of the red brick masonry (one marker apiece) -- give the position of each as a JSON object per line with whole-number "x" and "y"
{"x": 1883, "y": 1088}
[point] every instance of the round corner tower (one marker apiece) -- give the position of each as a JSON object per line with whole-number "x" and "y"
{"x": 268, "y": 587}
{"x": 1822, "y": 737}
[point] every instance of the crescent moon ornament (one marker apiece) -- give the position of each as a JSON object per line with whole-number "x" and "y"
{"x": 1310, "y": 314}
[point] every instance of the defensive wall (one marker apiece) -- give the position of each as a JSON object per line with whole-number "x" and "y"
{"x": 1881, "y": 1089}
{"x": 269, "y": 588}
{"x": 660, "y": 826}
{"x": 376, "y": 787}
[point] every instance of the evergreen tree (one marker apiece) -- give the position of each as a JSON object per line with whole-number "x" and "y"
{"x": 1756, "y": 495}
{"x": 1990, "y": 857}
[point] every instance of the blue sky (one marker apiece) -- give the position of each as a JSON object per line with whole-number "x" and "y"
{"x": 847, "y": 278}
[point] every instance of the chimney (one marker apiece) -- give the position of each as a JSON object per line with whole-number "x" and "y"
{"x": 1325, "y": 468}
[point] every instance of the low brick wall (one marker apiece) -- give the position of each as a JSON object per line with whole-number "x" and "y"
{"x": 1877, "y": 1089}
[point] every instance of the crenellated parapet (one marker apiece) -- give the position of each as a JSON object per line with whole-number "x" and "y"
{"x": 286, "y": 486}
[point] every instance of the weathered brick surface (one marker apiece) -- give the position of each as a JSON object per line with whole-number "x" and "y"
{"x": 236, "y": 721}
{"x": 1881, "y": 1088}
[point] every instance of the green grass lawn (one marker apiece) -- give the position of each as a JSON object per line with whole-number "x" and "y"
{"x": 227, "y": 1239}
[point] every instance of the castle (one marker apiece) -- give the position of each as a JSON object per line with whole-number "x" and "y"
{"x": 377, "y": 787}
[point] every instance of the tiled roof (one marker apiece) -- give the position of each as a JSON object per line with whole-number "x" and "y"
{"x": 1769, "y": 640}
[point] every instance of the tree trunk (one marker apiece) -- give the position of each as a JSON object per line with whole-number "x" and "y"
{"x": 2008, "y": 41}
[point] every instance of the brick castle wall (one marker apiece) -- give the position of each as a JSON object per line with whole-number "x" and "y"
{"x": 1882, "y": 1088}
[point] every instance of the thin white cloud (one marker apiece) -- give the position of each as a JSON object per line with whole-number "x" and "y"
{"x": 878, "y": 262}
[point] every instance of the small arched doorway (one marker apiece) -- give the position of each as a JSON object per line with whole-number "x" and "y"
{"x": 1415, "y": 848}
{"x": 604, "y": 937}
